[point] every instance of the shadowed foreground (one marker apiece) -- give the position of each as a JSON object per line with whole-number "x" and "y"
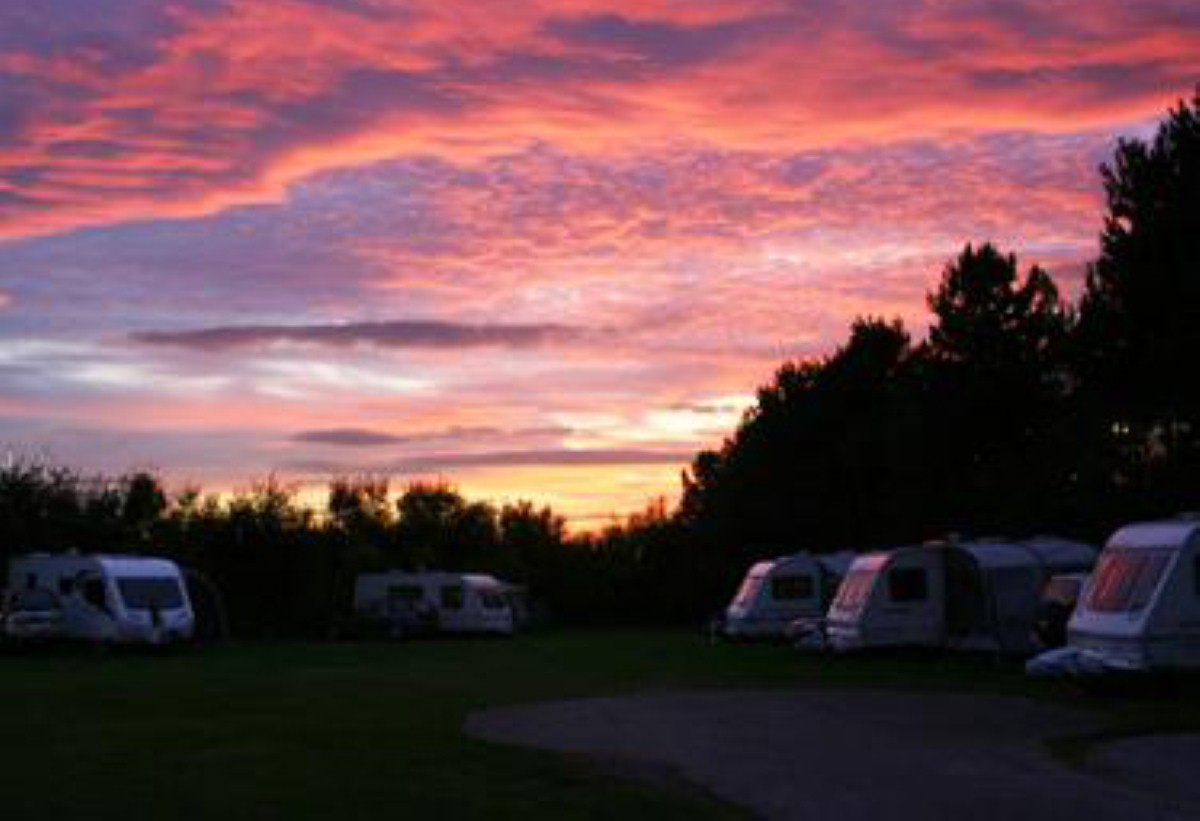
{"x": 371, "y": 730}
{"x": 862, "y": 755}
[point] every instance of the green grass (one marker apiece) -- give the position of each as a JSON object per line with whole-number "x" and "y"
{"x": 337, "y": 731}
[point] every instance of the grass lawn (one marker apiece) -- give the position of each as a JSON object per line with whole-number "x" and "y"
{"x": 372, "y": 730}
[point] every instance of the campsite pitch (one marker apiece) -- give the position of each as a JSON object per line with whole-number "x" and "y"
{"x": 279, "y": 730}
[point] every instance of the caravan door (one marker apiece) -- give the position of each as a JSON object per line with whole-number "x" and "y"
{"x": 451, "y": 596}
{"x": 1015, "y": 597}
{"x": 88, "y": 608}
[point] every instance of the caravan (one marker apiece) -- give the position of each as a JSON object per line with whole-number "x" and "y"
{"x": 1141, "y": 608}
{"x": 776, "y": 593}
{"x": 981, "y": 595}
{"x": 434, "y": 601}
{"x": 109, "y": 599}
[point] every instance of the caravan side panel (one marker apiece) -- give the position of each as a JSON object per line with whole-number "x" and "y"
{"x": 1172, "y": 631}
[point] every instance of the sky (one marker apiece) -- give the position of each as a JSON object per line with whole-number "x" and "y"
{"x": 542, "y": 249}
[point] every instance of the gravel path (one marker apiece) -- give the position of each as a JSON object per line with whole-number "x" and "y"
{"x": 1162, "y": 764}
{"x": 851, "y": 755}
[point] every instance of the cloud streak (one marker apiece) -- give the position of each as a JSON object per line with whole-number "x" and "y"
{"x": 447, "y": 462}
{"x": 348, "y": 437}
{"x": 367, "y": 438}
{"x": 394, "y": 334}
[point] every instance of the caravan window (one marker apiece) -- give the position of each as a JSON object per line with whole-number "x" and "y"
{"x": 1125, "y": 580}
{"x": 908, "y": 584}
{"x": 792, "y": 587}
{"x": 1062, "y": 590}
{"x": 147, "y": 594}
{"x": 39, "y": 600}
{"x": 493, "y": 599}
{"x": 404, "y": 593}
{"x": 855, "y": 589}
{"x": 403, "y": 599}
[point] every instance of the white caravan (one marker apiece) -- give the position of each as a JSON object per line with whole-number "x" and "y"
{"x": 981, "y": 595}
{"x": 110, "y": 599}
{"x": 1141, "y": 608}
{"x": 777, "y": 592}
{"x": 435, "y": 601}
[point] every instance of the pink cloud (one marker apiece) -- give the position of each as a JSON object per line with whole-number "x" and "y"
{"x": 235, "y": 102}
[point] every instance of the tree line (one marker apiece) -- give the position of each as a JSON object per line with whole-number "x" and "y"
{"x": 1020, "y": 412}
{"x": 283, "y": 568}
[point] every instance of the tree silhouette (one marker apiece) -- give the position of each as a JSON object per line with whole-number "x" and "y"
{"x": 1139, "y": 333}
{"x": 817, "y": 461}
{"x": 987, "y": 318}
{"x": 437, "y": 527}
{"x": 143, "y": 503}
{"x": 361, "y": 513}
{"x": 995, "y": 382}
{"x": 1141, "y": 306}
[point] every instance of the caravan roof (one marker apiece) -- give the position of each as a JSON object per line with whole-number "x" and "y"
{"x": 1062, "y": 555}
{"x": 1051, "y": 554}
{"x": 837, "y": 563}
{"x": 123, "y": 565}
{"x": 138, "y": 566}
{"x": 1166, "y": 533}
{"x": 997, "y": 554}
{"x": 758, "y": 568}
{"x": 874, "y": 561}
{"x": 482, "y": 580}
{"x": 791, "y": 561}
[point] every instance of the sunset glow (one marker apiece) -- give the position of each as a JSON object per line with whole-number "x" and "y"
{"x": 543, "y": 249}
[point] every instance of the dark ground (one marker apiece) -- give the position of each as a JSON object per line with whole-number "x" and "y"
{"x": 870, "y": 755}
{"x": 366, "y": 730}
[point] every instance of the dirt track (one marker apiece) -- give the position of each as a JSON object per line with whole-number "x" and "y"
{"x": 853, "y": 755}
